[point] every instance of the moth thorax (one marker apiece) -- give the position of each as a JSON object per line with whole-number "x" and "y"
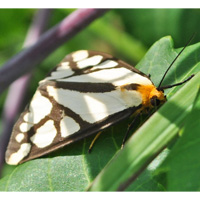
{"x": 151, "y": 96}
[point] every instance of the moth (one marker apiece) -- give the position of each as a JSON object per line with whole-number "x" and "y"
{"x": 84, "y": 94}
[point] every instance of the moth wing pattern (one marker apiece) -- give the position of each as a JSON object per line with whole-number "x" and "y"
{"x": 81, "y": 96}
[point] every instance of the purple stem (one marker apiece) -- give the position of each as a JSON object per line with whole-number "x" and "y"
{"x": 48, "y": 42}
{"x": 17, "y": 90}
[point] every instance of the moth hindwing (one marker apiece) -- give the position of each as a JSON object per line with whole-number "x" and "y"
{"x": 86, "y": 93}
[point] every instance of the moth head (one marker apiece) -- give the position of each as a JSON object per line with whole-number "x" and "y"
{"x": 151, "y": 96}
{"x": 156, "y": 97}
{"x": 156, "y": 101}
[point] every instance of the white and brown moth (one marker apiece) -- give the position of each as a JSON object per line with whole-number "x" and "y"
{"x": 86, "y": 93}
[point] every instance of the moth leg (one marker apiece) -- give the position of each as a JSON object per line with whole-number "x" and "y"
{"x": 131, "y": 125}
{"x": 93, "y": 141}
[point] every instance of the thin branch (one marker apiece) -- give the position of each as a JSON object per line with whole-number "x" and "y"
{"x": 48, "y": 42}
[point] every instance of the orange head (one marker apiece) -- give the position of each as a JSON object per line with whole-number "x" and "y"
{"x": 151, "y": 96}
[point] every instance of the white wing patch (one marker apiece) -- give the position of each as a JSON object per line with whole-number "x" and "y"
{"x": 19, "y": 137}
{"x": 93, "y": 107}
{"x": 68, "y": 126}
{"x": 24, "y": 127}
{"x": 58, "y": 74}
{"x": 39, "y": 107}
{"x": 131, "y": 97}
{"x": 44, "y": 135}
{"x": 63, "y": 66}
{"x": 106, "y": 64}
{"x": 116, "y": 76}
{"x": 94, "y": 60}
{"x": 23, "y": 151}
{"x": 80, "y": 55}
{"x": 63, "y": 70}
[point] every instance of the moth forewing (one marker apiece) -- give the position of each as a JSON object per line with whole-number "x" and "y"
{"x": 86, "y": 93}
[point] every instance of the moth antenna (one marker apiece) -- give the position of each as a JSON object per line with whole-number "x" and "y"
{"x": 159, "y": 86}
{"x": 176, "y": 84}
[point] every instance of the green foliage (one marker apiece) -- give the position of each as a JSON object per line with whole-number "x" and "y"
{"x": 72, "y": 168}
{"x": 181, "y": 169}
{"x": 148, "y": 25}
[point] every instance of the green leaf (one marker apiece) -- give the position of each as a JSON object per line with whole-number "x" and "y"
{"x": 73, "y": 169}
{"x": 181, "y": 169}
{"x": 147, "y": 181}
